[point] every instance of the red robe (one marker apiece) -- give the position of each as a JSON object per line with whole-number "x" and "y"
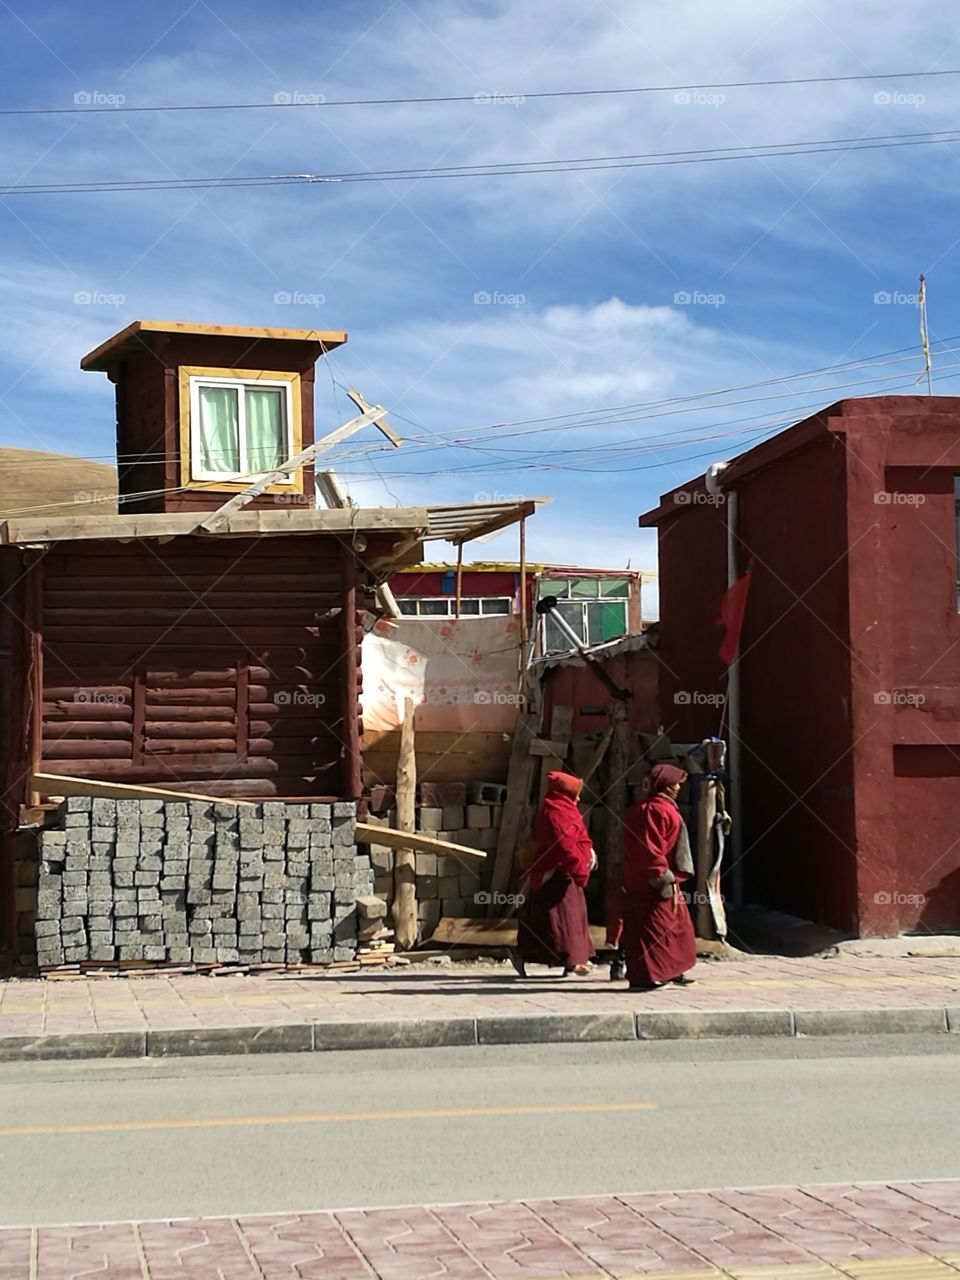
{"x": 659, "y": 943}
{"x": 553, "y": 927}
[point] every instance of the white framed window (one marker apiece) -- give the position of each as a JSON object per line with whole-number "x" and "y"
{"x": 239, "y": 428}
{"x": 596, "y": 608}
{"x": 446, "y": 606}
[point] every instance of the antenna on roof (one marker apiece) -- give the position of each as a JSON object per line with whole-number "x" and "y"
{"x": 924, "y": 335}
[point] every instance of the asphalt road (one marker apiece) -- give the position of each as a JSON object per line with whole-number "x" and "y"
{"x": 108, "y": 1140}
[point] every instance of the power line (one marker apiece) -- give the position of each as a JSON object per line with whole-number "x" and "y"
{"x": 301, "y": 101}
{"x": 604, "y": 415}
{"x": 500, "y": 169}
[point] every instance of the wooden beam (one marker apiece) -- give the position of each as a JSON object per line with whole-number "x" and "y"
{"x": 491, "y": 932}
{"x": 349, "y": 678}
{"x": 615, "y": 798}
{"x": 212, "y": 523}
{"x": 519, "y": 779}
{"x": 331, "y": 490}
{"x": 382, "y": 425}
{"x": 459, "y": 579}
{"x": 34, "y": 625}
{"x": 497, "y": 522}
{"x": 336, "y": 497}
{"x": 57, "y": 784}
{"x": 404, "y": 866}
{"x": 36, "y": 530}
{"x": 561, "y": 727}
{"x": 548, "y": 747}
{"x": 523, "y": 584}
{"x": 418, "y": 840}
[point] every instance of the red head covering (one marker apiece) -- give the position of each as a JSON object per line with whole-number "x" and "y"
{"x": 564, "y": 784}
{"x": 665, "y": 775}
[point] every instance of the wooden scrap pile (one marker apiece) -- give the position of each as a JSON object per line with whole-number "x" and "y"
{"x": 375, "y": 939}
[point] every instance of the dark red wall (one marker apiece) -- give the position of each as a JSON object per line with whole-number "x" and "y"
{"x": 850, "y": 660}
{"x": 905, "y": 631}
{"x": 799, "y": 841}
{"x": 578, "y": 686}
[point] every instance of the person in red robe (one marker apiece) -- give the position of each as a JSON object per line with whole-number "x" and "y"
{"x": 659, "y": 943}
{"x": 553, "y": 928}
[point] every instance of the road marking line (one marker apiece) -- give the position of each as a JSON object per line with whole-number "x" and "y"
{"x": 325, "y": 1117}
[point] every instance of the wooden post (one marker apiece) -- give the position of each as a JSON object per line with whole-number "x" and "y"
{"x": 459, "y": 576}
{"x": 404, "y": 866}
{"x": 34, "y": 626}
{"x": 523, "y": 585}
{"x": 615, "y": 798}
{"x": 704, "y": 856}
{"x": 352, "y": 782}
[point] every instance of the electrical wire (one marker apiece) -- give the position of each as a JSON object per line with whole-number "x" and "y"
{"x": 498, "y": 169}
{"x": 314, "y": 101}
{"x": 584, "y": 417}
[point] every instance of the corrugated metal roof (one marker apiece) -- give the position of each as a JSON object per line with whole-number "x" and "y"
{"x": 454, "y": 523}
{"x": 460, "y": 522}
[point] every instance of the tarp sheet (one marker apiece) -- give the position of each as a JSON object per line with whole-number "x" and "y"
{"x": 462, "y": 675}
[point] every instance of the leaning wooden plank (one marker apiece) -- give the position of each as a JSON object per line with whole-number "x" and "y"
{"x": 491, "y": 932}
{"x": 416, "y": 840}
{"x": 60, "y": 784}
{"x": 546, "y": 747}
{"x": 519, "y": 778}
{"x": 561, "y": 726}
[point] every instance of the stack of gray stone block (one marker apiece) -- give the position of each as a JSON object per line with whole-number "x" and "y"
{"x": 447, "y": 885}
{"x": 199, "y": 882}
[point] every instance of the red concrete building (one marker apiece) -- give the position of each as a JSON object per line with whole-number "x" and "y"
{"x": 849, "y": 667}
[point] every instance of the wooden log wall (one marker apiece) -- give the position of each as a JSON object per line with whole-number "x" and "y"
{"x": 213, "y": 663}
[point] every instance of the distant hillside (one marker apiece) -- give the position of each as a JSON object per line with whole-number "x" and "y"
{"x": 35, "y": 483}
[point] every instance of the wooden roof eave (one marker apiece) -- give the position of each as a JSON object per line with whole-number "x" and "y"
{"x": 135, "y": 337}
{"x": 39, "y": 531}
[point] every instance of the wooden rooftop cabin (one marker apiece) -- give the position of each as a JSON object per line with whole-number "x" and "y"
{"x": 183, "y": 646}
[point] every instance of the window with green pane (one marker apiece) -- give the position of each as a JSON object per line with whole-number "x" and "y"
{"x": 239, "y": 428}
{"x": 606, "y": 620}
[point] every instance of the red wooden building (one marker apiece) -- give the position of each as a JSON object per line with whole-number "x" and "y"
{"x": 147, "y": 648}
{"x": 849, "y": 707}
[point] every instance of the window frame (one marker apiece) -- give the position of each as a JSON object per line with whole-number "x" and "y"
{"x": 451, "y": 603}
{"x": 192, "y": 378}
{"x": 584, "y": 602}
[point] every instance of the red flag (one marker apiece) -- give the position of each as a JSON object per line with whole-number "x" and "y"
{"x": 733, "y": 605}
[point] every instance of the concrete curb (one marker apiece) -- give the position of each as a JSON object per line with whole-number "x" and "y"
{"x": 430, "y": 1033}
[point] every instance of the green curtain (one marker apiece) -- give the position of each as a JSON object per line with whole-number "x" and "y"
{"x": 219, "y": 433}
{"x": 266, "y": 443}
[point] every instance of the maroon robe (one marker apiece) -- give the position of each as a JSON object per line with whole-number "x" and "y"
{"x": 659, "y": 943}
{"x": 553, "y": 927}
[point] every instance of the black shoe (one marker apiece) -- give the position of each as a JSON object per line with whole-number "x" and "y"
{"x": 618, "y": 969}
{"x": 518, "y": 964}
{"x": 683, "y": 981}
{"x": 646, "y": 986}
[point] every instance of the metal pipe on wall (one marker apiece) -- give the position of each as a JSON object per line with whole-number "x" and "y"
{"x": 733, "y": 714}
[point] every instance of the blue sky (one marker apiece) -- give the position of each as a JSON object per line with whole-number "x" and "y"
{"x": 609, "y": 288}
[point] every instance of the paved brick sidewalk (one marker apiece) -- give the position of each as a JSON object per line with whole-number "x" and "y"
{"x": 36, "y": 1007}
{"x": 857, "y": 1231}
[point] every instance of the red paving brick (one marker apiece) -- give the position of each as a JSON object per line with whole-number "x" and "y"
{"x": 586, "y": 1237}
{"x": 302, "y": 1246}
{"x": 615, "y": 1237}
